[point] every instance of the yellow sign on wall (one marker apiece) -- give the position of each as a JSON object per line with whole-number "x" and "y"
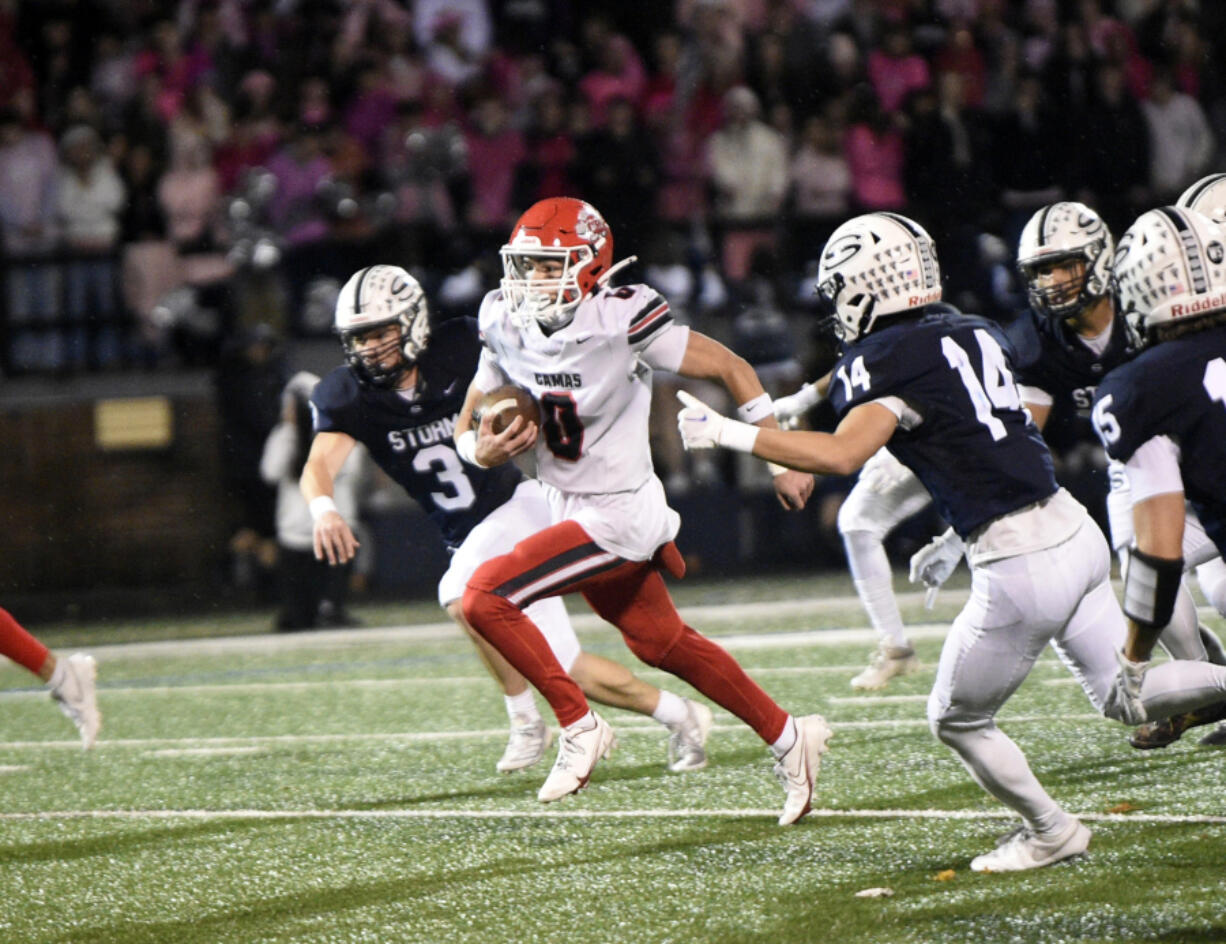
{"x": 134, "y": 423}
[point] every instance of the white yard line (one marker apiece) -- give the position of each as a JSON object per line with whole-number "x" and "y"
{"x": 556, "y": 814}
{"x": 700, "y": 616}
{"x": 626, "y": 726}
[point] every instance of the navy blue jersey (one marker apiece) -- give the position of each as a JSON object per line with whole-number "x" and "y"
{"x": 1051, "y": 357}
{"x": 1176, "y": 389}
{"x": 412, "y": 440}
{"x": 975, "y": 449}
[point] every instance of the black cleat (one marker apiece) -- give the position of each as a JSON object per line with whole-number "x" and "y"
{"x": 1169, "y": 730}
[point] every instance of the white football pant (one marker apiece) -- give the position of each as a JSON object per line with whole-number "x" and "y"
{"x": 886, "y": 494}
{"x": 1018, "y": 605}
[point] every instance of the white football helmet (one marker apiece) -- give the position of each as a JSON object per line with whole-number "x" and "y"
{"x": 1207, "y": 196}
{"x": 1170, "y": 267}
{"x": 876, "y": 265}
{"x": 1056, "y": 233}
{"x": 374, "y": 298}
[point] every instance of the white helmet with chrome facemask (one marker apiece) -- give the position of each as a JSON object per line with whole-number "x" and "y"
{"x": 373, "y": 299}
{"x": 875, "y": 266}
{"x": 1170, "y": 268}
{"x": 1207, "y": 196}
{"x": 1057, "y": 233}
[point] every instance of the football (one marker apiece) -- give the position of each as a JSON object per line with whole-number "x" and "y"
{"x": 504, "y": 404}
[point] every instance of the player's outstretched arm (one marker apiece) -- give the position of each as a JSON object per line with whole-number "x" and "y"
{"x": 334, "y": 539}
{"x": 707, "y": 359}
{"x": 862, "y": 432}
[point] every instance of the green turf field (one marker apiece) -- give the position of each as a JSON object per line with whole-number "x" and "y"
{"x": 341, "y": 787}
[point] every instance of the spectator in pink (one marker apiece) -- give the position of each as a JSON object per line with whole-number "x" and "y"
{"x": 495, "y": 150}
{"x": 961, "y": 55}
{"x": 189, "y": 194}
{"x": 819, "y": 181}
{"x": 549, "y": 154}
{"x": 299, "y": 167}
{"x": 895, "y": 70}
{"x": 178, "y": 69}
{"x": 373, "y": 107}
{"x": 874, "y": 155}
{"x": 618, "y": 72}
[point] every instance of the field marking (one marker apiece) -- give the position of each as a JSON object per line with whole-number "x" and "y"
{"x": 204, "y": 751}
{"x": 626, "y": 727}
{"x": 554, "y": 814}
{"x": 445, "y": 629}
{"x": 13, "y": 768}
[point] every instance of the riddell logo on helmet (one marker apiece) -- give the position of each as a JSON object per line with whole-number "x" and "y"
{"x": 914, "y": 301}
{"x": 1202, "y": 305}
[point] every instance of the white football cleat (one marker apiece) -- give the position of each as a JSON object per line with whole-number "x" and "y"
{"x": 578, "y": 751}
{"x": 72, "y": 684}
{"x": 529, "y": 740}
{"x": 687, "y": 740}
{"x": 1023, "y": 849}
{"x": 886, "y": 662}
{"x": 797, "y": 769}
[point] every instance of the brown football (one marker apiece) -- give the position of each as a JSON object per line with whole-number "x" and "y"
{"x": 504, "y": 404}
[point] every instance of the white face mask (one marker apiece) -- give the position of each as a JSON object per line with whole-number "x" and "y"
{"x": 550, "y": 301}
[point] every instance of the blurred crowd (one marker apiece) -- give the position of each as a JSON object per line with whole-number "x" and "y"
{"x": 171, "y": 170}
{"x": 176, "y": 174}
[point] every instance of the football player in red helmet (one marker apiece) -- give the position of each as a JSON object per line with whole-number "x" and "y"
{"x": 586, "y": 351}
{"x": 560, "y": 252}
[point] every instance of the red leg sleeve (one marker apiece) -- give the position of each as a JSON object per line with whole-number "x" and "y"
{"x": 19, "y": 645}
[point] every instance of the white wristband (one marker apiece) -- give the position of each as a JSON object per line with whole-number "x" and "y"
{"x": 738, "y": 436}
{"x": 759, "y": 408}
{"x": 777, "y": 469}
{"x": 320, "y": 505}
{"x": 466, "y": 447}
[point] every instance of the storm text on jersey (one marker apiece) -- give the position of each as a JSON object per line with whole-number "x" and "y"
{"x": 414, "y": 437}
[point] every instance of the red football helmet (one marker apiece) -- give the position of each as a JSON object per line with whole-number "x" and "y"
{"x": 556, "y": 257}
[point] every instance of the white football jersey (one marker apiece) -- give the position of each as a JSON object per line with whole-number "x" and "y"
{"x": 593, "y": 381}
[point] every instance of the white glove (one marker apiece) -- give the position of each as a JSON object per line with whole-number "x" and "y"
{"x": 1123, "y": 701}
{"x": 933, "y": 563}
{"x": 702, "y": 428}
{"x": 789, "y": 409}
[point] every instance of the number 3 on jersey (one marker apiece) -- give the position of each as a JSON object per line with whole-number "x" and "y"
{"x": 997, "y": 389}
{"x": 561, "y": 425}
